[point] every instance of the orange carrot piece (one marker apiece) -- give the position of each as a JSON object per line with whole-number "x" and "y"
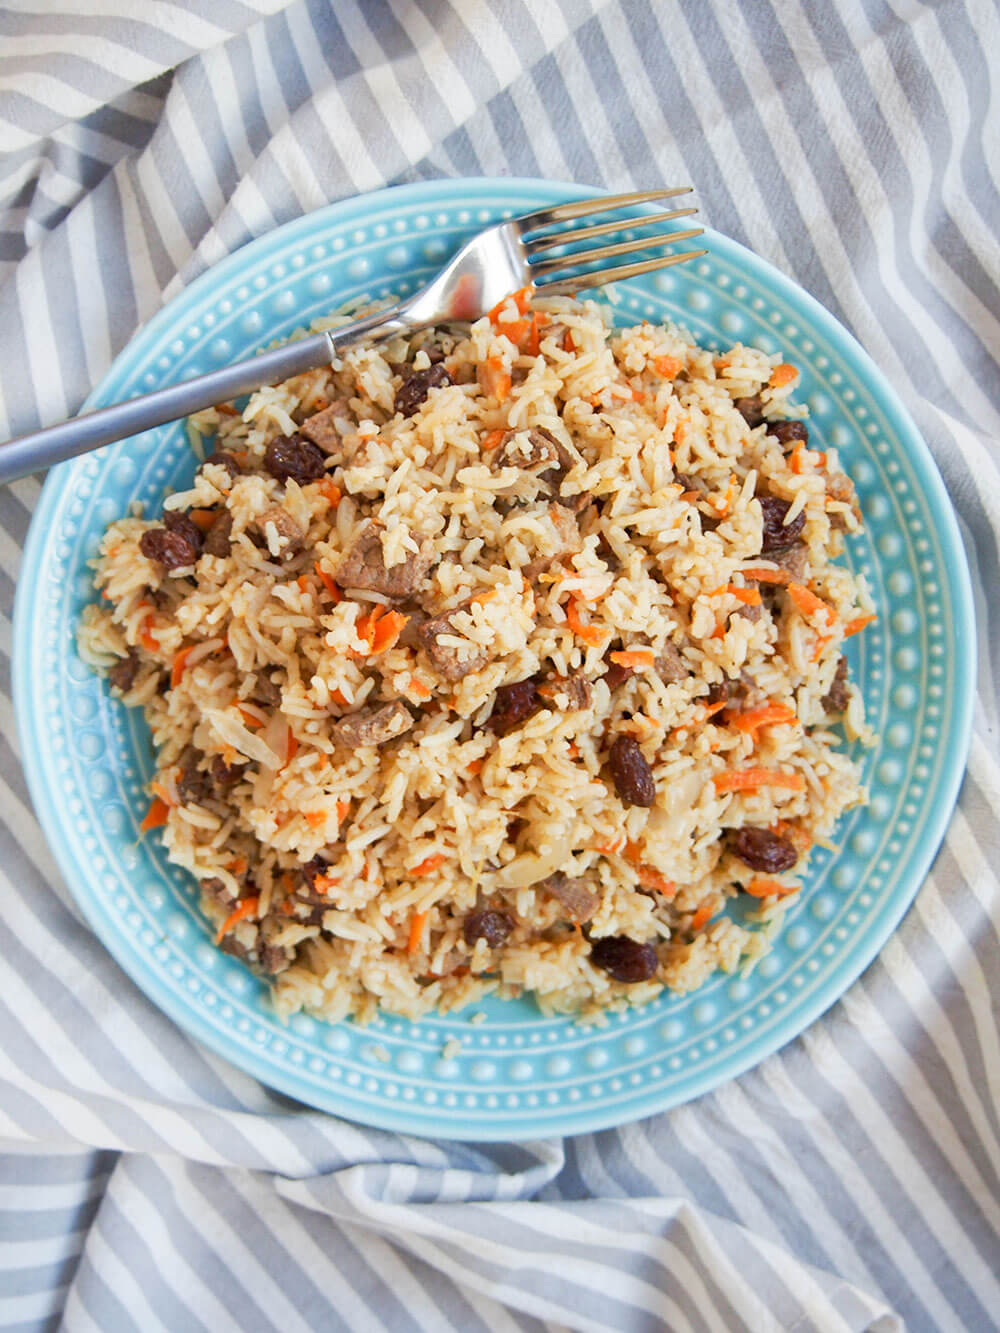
{"x": 291, "y": 747}
{"x": 667, "y": 366}
{"x": 418, "y": 688}
{"x": 768, "y": 888}
{"x": 332, "y": 492}
{"x": 238, "y": 865}
{"x": 146, "y": 638}
{"x": 315, "y": 817}
{"x": 809, "y": 604}
{"x": 767, "y": 575}
{"x": 749, "y": 779}
{"x": 782, "y": 375}
{"x": 203, "y": 518}
{"x": 494, "y": 380}
{"x": 516, "y": 330}
{"x": 486, "y": 595}
{"x": 251, "y": 719}
{"x": 493, "y": 439}
{"x": 476, "y": 766}
{"x": 702, "y": 917}
{"x": 342, "y": 809}
{"x": 652, "y": 879}
{"x": 636, "y": 659}
{"x": 592, "y": 635}
{"x": 609, "y": 848}
{"x": 226, "y": 409}
{"x": 858, "y": 624}
{"x": 248, "y": 907}
{"x": 156, "y": 816}
{"x": 710, "y": 710}
{"x": 429, "y": 864}
{"x": 303, "y": 582}
{"x": 416, "y": 931}
{"x": 521, "y": 298}
{"x": 821, "y": 641}
{"x": 770, "y": 715}
{"x": 324, "y": 883}
{"x": 680, "y": 430}
{"x": 179, "y": 663}
{"x": 328, "y": 583}
{"x": 158, "y": 789}
{"x": 748, "y": 596}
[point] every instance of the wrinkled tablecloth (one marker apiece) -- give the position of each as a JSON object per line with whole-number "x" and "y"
{"x": 852, "y": 1181}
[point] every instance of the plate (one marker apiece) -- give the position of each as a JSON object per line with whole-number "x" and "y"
{"x": 517, "y": 1075}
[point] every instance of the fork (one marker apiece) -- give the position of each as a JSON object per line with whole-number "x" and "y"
{"x": 523, "y": 252}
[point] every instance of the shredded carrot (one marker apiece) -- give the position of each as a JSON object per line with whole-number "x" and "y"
{"x": 180, "y": 661}
{"x": 858, "y": 624}
{"x": 494, "y": 380}
{"x": 332, "y": 492}
{"x": 609, "y": 848}
{"x": 592, "y": 635}
{"x": 568, "y": 342}
{"x": 493, "y": 439}
{"x": 150, "y": 644}
{"x": 342, "y": 809}
{"x": 429, "y": 864}
{"x": 821, "y": 641}
{"x": 418, "y": 688}
{"x": 517, "y": 330}
{"x": 680, "y": 430}
{"x": 638, "y": 395}
{"x": 748, "y": 596}
{"x": 719, "y": 632}
{"x": 809, "y": 604}
{"x": 328, "y": 583}
{"x": 474, "y": 767}
{"x": 380, "y": 629}
{"x": 782, "y": 375}
{"x": 486, "y": 595}
{"x": 238, "y": 865}
{"x": 721, "y": 362}
{"x": 749, "y": 779}
{"x": 291, "y": 747}
{"x": 226, "y": 409}
{"x": 667, "y": 366}
{"x": 416, "y": 931}
{"x": 315, "y": 817}
{"x": 156, "y": 816}
{"x": 339, "y": 698}
{"x": 771, "y": 715}
{"x": 203, "y": 518}
{"x": 769, "y": 888}
{"x": 158, "y": 789}
{"x": 521, "y": 298}
{"x": 251, "y": 719}
{"x": 652, "y": 879}
{"x": 248, "y": 907}
{"x": 710, "y": 710}
{"x": 767, "y": 575}
{"x": 795, "y": 833}
{"x": 702, "y": 917}
{"x": 324, "y": 883}
{"x": 636, "y": 659}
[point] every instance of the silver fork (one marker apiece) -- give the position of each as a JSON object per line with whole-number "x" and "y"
{"x": 500, "y": 260}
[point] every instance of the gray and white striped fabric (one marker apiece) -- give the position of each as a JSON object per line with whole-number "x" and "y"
{"x": 850, "y": 1182}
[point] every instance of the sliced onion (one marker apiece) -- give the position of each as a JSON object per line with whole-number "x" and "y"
{"x": 232, "y": 732}
{"x": 275, "y": 734}
{"x": 530, "y": 867}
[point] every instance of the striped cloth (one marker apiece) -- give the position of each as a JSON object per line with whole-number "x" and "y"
{"x": 850, "y": 1182}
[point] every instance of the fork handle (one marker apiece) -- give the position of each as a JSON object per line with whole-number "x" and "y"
{"x": 54, "y": 444}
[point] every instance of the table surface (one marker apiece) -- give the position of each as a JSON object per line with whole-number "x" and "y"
{"x": 852, "y": 1181}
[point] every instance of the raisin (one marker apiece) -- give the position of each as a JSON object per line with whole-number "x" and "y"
{"x": 513, "y": 705}
{"x": 225, "y": 775}
{"x": 761, "y": 849}
{"x": 776, "y": 534}
{"x": 227, "y": 460}
{"x": 174, "y": 521}
{"x": 788, "y": 432}
{"x": 750, "y": 409}
{"x": 123, "y": 673}
{"x": 193, "y": 786}
{"x": 623, "y": 959}
{"x": 414, "y": 390}
{"x": 171, "y": 549}
{"x": 489, "y": 925}
{"x": 292, "y": 458}
{"x": 632, "y": 775}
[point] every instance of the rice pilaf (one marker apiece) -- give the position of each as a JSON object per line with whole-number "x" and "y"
{"x": 495, "y": 660}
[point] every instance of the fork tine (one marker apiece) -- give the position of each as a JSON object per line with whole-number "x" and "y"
{"x": 603, "y": 229}
{"x": 617, "y": 273}
{"x": 545, "y": 217}
{"x": 611, "y": 251}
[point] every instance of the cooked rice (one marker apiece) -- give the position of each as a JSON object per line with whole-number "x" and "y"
{"x": 411, "y": 837}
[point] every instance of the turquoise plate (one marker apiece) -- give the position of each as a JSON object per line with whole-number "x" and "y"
{"x": 517, "y": 1075}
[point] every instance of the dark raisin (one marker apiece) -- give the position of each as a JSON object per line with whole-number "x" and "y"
{"x": 836, "y": 698}
{"x": 615, "y": 675}
{"x": 175, "y": 521}
{"x": 292, "y": 458}
{"x": 763, "y": 850}
{"x": 719, "y": 692}
{"x": 225, "y": 775}
{"x": 513, "y": 705}
{"x": 193, "y": 786}
{"x": 788, "y": 432}
{"x": 413, "y": 390}
{"x": 171, "y": 549}
{"x": 623, "y": 959}
{"x": 776, "y": 535}
{"x": 123, "y": 673}
{"x": 750, "y": 409}
{"x": 489, "y": 925}
{"x": 632, "y": 776}
{"x": 227, "y": 460}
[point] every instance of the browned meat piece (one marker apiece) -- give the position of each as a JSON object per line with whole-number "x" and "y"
{"x": 218, "y": 892}
{"x": 415, "y": 388}
{"x": 290, "y": 535}
{"x": 670, "y": 666}
{"x": 794, "y": 559}
{"x": 742, "y": 691}
{"x": 409, "y": 635}
{"x": 580, "y": 902}
{"x": 750, "y": 409}
{"x": 513, "y": 705}
{"x": 568, "y": 541}
{"x": 231, "y": 945}
{"x": 837, "y": 697}
{"x": 122, "y": 675}
{"x": 536, "y": 451}
{"x": 265, "y": 691}
{"x": 363, "y": 566}
{"x": 373, "y": 726}
{"x": 577, "y": 690}
{"x": 752, "y": 612}
{"x": 275, "y": 959}
{"x": 218, "y": 539}
{"x": 840, "y": 487}
{"x": 226, "y": 775}
{"x": 448, "y": 662}
{"x": 292, "y": 458}
{"x": 193, "y": 785}
{"x": 321, "y": 430}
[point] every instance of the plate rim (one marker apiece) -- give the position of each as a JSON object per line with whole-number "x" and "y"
{"x": 476, "y": 1126}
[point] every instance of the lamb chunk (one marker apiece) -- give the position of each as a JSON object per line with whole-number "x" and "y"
{"x": 321, "y": 430}
{"x": 415, "y": 388}
{"x": 580, "y": 902}
{"x": 794, "y": 560}
{"x": 750, "y": 409}
{"x": 290, "y": 535}
{"x": 218, "y": 539}
{"x": 231, "y": 945}
{"x": 837, "y": 697}
{"x": 265, "y": 691}
{"x": 372, "y": 726}
{"x": 840, "y": 487}
{"x": 448, "y": 662}
{"x": 409, "y": 635}
{"x": 364, "y": 567}
{"x": 577, "y": 690}
{"x": 670, "y": 666}
{"x": 193, "y": 785}
{"x": 122, "y": 675}
{"x": 225, "y": 775}
{"x": 217, "y": 891}
{"x": 752, "y": 612}
{"x": 274, "y": 959}
{"x": 536, "y": 451}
